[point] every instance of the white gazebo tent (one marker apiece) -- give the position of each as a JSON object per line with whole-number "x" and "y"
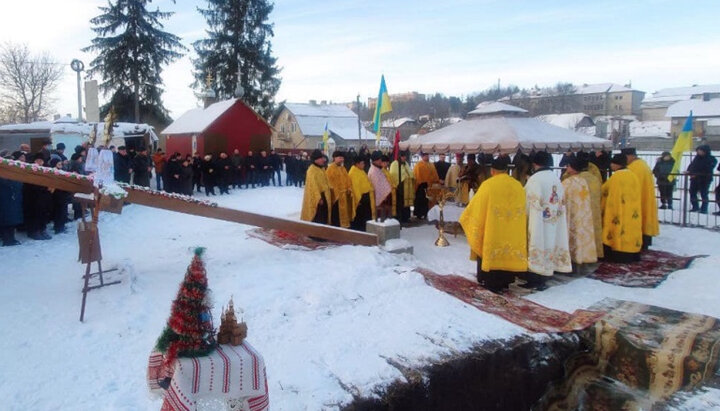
{"x": 502, "y": 128}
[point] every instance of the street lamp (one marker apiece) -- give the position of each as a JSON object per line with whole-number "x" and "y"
{"x": 77, "y": 67}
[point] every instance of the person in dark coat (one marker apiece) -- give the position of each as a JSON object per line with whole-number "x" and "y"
{"x": 442, "y": 167}
{"x": 700, "y": 170}
{"x": 521, "y": 167}
{"x": 661, "y": 171}
{"x": 250, "y": 168}
{"x": 141, "y": 167}
{"x": 224, "y": 175}
{"x": 186, "y": 177}
{"x": 121, "y": 162}
{"x": 276, "y": 165}
{"x": 196, "y": 165}
{"x": 602, "y": 160}
{"x": 264, "y": 168}
{"x": 59, "y": 153}
{"x": 237, "y": 163}
{"x": 37, "y": 204}
{"x": 302, "y": 169}
{"x": 60, "y": 201}
{"x": 11, "y": 206}
{"x": 172, "y": 176}
{"x": 209, "y": 174}
{"x": 290, "y": 164}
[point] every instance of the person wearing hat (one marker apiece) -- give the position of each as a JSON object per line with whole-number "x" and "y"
{"x": 453, "y": 173}
{"x": 11, "y": 206}
{"x": 341, "y": 189}
{"x": 382, "y": 187}
{"x": 578, "y": 210}
{"x": 522, "y": 166}
{"x": 469, "y": 179}
{"x": 651, "y": 225}
{"x": 59, "y": 153}
{"x": 590, "y": 173}
{"x": 622, "y": 213}
{"x": 497, "y": 240}
{"x": 402, "y": 180}
{"x": 663, "y": 167}
{"x": 317, "y": 193}
{"x": 363, "y": 198}
{"x": 700, "y": 170}
{"x": 425, "y": 176}
{"x": 548, "y": 247}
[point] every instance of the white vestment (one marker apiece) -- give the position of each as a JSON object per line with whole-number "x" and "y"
{"x": 548, "y": 248}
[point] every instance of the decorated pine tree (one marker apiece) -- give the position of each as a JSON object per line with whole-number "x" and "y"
{"x": 132, "y": 50}
{"x": 238, "y": 43}
{"x": 189, "y": 331}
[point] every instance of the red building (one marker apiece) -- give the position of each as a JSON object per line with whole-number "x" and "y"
{"x": 223, "y": 126}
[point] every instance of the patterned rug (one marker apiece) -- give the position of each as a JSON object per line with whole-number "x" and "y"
{"x": 641, "y": 355}
{"x": 525, "y": 313}
{"x": 290, "y": 241}
{"x": 652, "y": 269}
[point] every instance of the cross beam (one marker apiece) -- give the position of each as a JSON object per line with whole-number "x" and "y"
{"x": 75, "y": 183}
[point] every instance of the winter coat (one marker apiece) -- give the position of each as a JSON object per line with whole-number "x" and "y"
{"x": 275, "y": 162}
{"x": 209, "y": 173}
{"x": 11, "y": 203}
{"x": 224, "y": 169}
{"x": 172, "y": 168}
{"x": 37, "y": 204}
{"x": 661, "y": 171}
{"x": 140, "y": 165}
{"x": 186, "y": 180}
{"x": 701, "y": 167}
{"x": 122, "y": 167}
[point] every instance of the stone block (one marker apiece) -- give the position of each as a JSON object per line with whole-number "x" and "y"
{"x": 386, "y": 230}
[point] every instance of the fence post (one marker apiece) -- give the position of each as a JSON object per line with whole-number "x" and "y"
{"x": 686, "y": 194}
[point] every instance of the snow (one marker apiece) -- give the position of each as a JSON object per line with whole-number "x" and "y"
{"x": 397, "y": 122}
{"x": 197, "y": 120}
{"x": 318, "y": 317}
{"x": 601, "y": 88}
{"x": 340, "y": 120}
{"x": 699, "y": 108}
{"x": 34, "y": 126}
{"x": 650, "y": 129}
{"x": 493, "y": 107}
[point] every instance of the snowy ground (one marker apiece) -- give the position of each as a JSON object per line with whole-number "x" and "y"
{"x": 319, "y": 318}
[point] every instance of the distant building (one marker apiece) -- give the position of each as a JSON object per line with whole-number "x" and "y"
{"x": 300, "y": 127}
{"x": 706, "y": 115}
{"x": 579, "y": 122}
{"x": 603, "y": 99}
{"x": 223, "y": 126}
{"x": 400, "y": 97}
{"x": 655, "y": 106}
{"x": 406, "y": 125}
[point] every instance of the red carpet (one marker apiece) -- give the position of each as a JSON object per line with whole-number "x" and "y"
{"x": 652, "y": 269}
{"x": 284, "y": 239}
{"x": 525, "y": 313}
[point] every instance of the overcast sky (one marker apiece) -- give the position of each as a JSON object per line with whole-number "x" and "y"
{"x": 335, "y": 49}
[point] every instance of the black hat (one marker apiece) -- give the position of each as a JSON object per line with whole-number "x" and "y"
{"x": 404, "y": 153}
{"x": 500, "y": 163}
{"x": 54, "y": 161}
{"x": 631, "y": 151}
{"x": 316, "y": 154}
{"x": 471, "y": 157}
{"x": 384, "y": 158}
{"x": 79, "y": 149}
{"x": 60, "y": 146}
{"x": 17, "y": 154}
{"x": 75, "y": 157}
{"x": 121, "y": 148}
{"x": 376, "y": 155}
{"x": 619, "y": 159}
{"x": 359, "y": 159}
{"x": 543, "y": 158}
{"x": 577, "y": 163}
{"x": 338, "y": 154}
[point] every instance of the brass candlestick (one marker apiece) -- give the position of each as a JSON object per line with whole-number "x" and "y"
{"x": 442, "y": 195}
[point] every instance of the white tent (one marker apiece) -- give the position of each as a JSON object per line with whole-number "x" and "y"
{"x": 503, "y": 131}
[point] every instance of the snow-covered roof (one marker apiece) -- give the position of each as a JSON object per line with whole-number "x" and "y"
{"x": 503, "y": 134}
{"x": 569, "y": 121}
{"x": 34, "y": 126}
{"x": 650, "y": 129}
{"x": 198, "y": 119}
{"x": 700, "y": 108}
{"x": 665, "y": 97}
{"x": 494, "y": 107}
{"x": 601, "y": 88}
{"x": 340, "y": 119}
{"x": 397, "y": 122}
{"x": 320, "y": 110}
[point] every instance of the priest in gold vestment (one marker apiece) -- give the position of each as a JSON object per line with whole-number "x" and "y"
{"x": 425, "y": 176}
{"x": 363, "y": 195}
{"x": 341, "y": 186}
{"x": 594, "y": 183}
{"x": 622, "y": 218}
{"x": 581, "y": 231}
{"x": 650, "y": 224}
{"x": 495, "y": 223}
{"x": 402, "y": 180}
{"x": 316, "y": 197}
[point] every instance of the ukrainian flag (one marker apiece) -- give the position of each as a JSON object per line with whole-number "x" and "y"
{"x": 684, "y": 143}
{"x": 325, "y": 140}
{"x": 381, "y": 107}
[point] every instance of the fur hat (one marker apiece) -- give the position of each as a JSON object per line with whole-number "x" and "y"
{"x": 619, "y": 159}
{"x": 60, "y": 146}
{"x": 316, "y": 154}
{"x": 500, "y": 163}
{"x": 543, "y": 158}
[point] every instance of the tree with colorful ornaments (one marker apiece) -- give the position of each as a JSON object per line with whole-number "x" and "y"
{"x": 189, "y": 331}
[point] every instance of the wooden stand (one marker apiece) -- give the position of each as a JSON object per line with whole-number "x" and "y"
{"x": 89, "y": 241}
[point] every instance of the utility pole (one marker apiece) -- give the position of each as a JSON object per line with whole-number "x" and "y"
{"x": 359, "y": 121}
{"x": 77, "y": 67}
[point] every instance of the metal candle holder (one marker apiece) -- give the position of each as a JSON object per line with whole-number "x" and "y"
{"x": 443, "y": 194}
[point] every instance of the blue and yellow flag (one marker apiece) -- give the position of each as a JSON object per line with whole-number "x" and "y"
{"x": 325, "y": 140}
{"x": 682, "y": 144}
{"x": 381, "y": 107}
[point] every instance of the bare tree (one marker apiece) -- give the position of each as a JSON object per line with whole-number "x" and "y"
{"x": 27, "y": 82}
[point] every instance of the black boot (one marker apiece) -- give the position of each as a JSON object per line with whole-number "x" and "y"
{"x": 8, "y": 237}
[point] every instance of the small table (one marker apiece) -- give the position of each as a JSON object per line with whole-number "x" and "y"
{"x": 231, "y": 377}
{"x": 451, "y": 214}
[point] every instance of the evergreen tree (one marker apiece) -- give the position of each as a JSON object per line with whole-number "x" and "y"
{"x": 132, "y": 52}
{"x": 239, "y": 43}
